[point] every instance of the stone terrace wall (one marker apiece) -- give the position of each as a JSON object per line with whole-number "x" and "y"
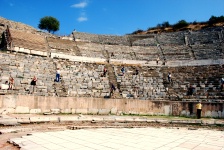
{"x": 104, "y": 39}
{"x": 96, "y": 106}
{"x": 174, "y": 38}
{"x": 62, "y": 46}
{"x": 78, "y": 79}
{"x": 148, "y": 53}
{"x": 28, "y": 41}
{"x": 181, "y": 45}
{"x": 185, "y": 45}
{"x": 90, "y": 49}
{"x": 84, "y": 79}
{"x": 141, "y": 41}
{"x": 114, "y": 40}
{"x": 23, "y": 68}
{"x": 206, "y": 36}
{"x": 206, "y": 43}
{"x": 147, "y": 85}
{"x": 177, "y": 52}
{"x": 81, "y": 36}
{"x": 205, "y": 79}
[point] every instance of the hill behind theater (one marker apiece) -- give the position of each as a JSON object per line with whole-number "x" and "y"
{"x": 182, "y": 25}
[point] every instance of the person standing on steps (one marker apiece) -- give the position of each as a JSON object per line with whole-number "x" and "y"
{"x": 57, "y": 75}
{"x": 104, "y": 72}
{"x": 157, "y": 60}
{"x": 169, "y": 77}
{"x": 11, "y": 82}
{"x": 33, "y": 83}
{"x": 112, "y": 89}
{"x": 198, "y": 107}
{"x": 123, "y": 70}
{"x": 222, "y": 84}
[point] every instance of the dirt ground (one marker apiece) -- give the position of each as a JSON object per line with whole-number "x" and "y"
{"x": 41, "y": 127}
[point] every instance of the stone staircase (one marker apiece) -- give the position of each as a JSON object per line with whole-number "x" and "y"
{"x": 113, "y": 80}
{"x": 161, "y": 54}
{"x": 111, "y": 75}
{"x": 59, "y": 87}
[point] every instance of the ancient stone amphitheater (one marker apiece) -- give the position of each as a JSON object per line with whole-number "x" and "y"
{"x": 194, "y": 58}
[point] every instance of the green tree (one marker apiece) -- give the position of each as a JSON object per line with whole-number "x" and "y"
{"x": 180, "y": 24}
{"x": 137, "y": 31}
{"x": 214, "y": 19}
{"x": 49, "y": 23}
{"x": 165, "y": 24}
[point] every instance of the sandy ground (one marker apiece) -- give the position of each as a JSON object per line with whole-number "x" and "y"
{"x": 42, "y": 127}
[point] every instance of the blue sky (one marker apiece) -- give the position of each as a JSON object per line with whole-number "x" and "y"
{"x": 117, "y": 17}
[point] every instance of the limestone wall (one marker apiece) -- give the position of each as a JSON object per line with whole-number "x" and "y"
{"x": 96, "y": 38}
{"x": 182, "y": 45}
{"x": 40, "y": 104}
{"x": 82, "y": 77}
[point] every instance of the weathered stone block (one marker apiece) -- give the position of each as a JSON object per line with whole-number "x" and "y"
{"x": 39, "y": 119}
{"x": 80, "y": 111}
{"x": 8, "y": 111}
{"x": 35, "y": 111}
{"x": 22, "y": 110}
{"x": 93, "y": 111}
{"x": 104, "y": 111}
{"x": 68, "y": 118}
{"x": 66, "y": 111}
{"x": 8, "y": 121}
{"x": 24, "y": 120}
{"x": 55, "y": 111}
{"x": 113, "y": 111}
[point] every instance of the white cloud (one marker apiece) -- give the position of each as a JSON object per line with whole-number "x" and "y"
{"x": 80, "y": 5}
{"x": 81, "y": 19}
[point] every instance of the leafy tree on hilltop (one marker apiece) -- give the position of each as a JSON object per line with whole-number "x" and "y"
{"x": 214, "y": 19}
{"x": 180, "y": 24}
{"x": 165, "y": 24}
{"x": 49, "y": 23}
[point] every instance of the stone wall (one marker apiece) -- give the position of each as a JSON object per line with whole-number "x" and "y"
{"x": 84, "y": 78}
{"x": 75, "y": 105}
{"x": 79, "y": 78}
{"x": 182, "y": 45}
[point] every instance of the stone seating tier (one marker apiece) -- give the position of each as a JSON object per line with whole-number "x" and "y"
{"x": 205, "y": 51}
{"x": 204, "y": 37}
{"x": 175, "y": 38}
{"x": 28, "y": 40}
{"x": 205, "y": 80}
{"x": 63, "y": 46}
{"x": 84, "y": 79}
{"x": 170, "y": 43}
{"x": 145, "y": 42}
{"x": 104, "y": 39}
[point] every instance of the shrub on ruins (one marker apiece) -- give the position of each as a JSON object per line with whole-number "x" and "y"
{"x": 49, "y": 23}
{"x": 165, "y": 24}
{"x": 180, "y": 24}
{"x": 214, "y": 19}
{"x": 137, "y": 31}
